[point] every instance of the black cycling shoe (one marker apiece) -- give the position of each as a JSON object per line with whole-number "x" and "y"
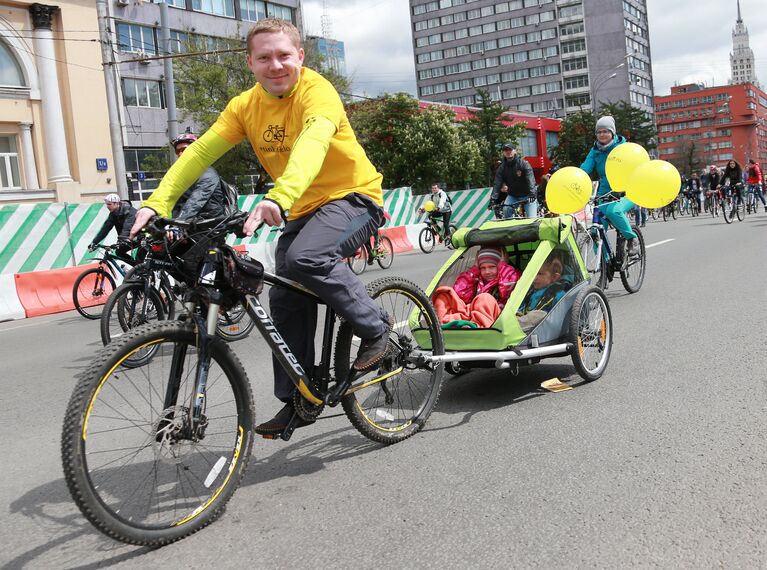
{"x": 278, "y": 423}
{"x": 632, "y": 248}
{"x": 372, "y": 350}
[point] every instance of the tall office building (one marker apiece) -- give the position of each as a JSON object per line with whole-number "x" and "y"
{"x": 742, "y": 56}
{"x": 331, "y": 50}
{"x": 545, "y": 56}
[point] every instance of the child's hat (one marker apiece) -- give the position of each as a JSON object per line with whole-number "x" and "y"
{"x": 488, "y": 255}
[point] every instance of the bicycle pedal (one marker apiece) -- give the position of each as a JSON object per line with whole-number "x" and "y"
{"x": 271, "y": 435}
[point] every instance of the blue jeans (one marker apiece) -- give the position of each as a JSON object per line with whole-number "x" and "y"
{"x": 757, "y": 190}
{"x": 531, "y": 208}
{"x": 640, "y": 215}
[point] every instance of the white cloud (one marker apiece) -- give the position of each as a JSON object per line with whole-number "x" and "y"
{"x": 690, "y": 41}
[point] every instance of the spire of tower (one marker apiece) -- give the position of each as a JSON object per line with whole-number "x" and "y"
{"x": 327, "y": 24}
{"x": 739, "y": 20}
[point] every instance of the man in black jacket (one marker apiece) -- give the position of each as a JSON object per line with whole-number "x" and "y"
{"x": 121, "y": 217}
{"x": 205, "y": 198}
{"x": 514, "y": 177}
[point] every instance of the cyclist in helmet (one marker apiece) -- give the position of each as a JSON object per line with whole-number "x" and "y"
{"x": 121, "y": 217}
{"x": 205, "y": 198}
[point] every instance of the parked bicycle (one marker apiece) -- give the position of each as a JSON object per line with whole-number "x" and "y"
{"x": 604, "y": 258}
{"x": 152, "y": 454}
{"x": 380, "y": 251}
{"x": 94, "y": 286}
{"x": 433, "y": 233}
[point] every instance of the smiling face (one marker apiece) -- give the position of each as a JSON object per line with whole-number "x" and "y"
{"x": 488, "y": 271}
{"x": 275, "y": 62}
{"x": 604, "y": 136}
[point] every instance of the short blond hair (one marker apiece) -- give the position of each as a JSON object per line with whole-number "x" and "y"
{"x": 274, "y": 26}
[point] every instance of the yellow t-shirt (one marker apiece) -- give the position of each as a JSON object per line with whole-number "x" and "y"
{"x": 272, "y": 124}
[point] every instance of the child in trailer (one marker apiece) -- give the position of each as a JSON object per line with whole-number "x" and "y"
{"x": 547, "y": 289}
{"x": 479, "y": 294}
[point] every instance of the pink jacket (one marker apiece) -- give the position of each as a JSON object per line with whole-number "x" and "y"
{"x": 469, "y": 283}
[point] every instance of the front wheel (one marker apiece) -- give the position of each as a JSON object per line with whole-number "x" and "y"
{"x": 740, "y": 209}
{"x": 728, "y": 211}
{"x": 591, "y": 333}
{"x": 91, "y": 290}
{"x": 393, "y": 401}
{"x": 234, "y": 324}
{"x": 147, "y": 458}
{"x": 132, "y": 304}
{"x": 592, "y": 252}
{"x": 385, "y": 252}
{"x": 633, "y": 268}
{"x": 358, "y": 262}
{"x": 426, "y": 240}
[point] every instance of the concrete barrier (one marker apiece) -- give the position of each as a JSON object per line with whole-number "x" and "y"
{"x": 47, "y": 292}
{"x": 399, "y": 238}
{"x": 10, "y": 306}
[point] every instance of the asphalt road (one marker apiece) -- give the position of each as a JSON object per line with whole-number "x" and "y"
{"x": 661, "y": 463}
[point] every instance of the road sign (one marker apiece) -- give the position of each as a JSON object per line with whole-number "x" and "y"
{"x": 101, "y": 164}
{"x": 141, "y": 175}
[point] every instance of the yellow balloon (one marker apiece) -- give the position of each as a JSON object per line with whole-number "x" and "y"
{"x": 429, "y": 206}
{"x": 568, "y": 190}
{"x": 654, "y": 184}
{"x": 621, "y": 163}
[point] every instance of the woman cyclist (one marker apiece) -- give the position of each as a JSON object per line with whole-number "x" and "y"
{"x": 733, "y": 177}
{"x": 615, "y": 211}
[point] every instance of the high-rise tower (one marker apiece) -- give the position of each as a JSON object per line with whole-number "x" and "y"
{"x": 742, "y": 57}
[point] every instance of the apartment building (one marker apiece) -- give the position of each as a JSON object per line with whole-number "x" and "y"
{"x": 552, "y": 57}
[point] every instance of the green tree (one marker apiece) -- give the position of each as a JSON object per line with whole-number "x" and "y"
{"x": 488, "y": 127}
{"x": 690, "y": 158}
{"x": 634, "y": 124}
{"x": 412, "y": 146}
{"x": 576, "y": 137}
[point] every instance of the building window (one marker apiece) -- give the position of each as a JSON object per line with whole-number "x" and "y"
{"x": 280, "y": 12}
{"x": 552, "y": 138}
{"x": 178, "y": 41}
{"x": 216, "y": 7}
{"x": 10, "y": 70}
{"x": 133, "y": 38}
{"x": 529, "y": 143}
{"x": 253, "y": 10}
{"x": 9, "y": 164}
{"x": 176, "y": 3}
{"x": 142, "y": 93}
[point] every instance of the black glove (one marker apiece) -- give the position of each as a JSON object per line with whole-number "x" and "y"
{"x": 92, "y": 246}
{"x": 124, "y": 246}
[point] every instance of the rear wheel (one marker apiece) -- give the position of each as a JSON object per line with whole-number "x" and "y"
{"x": 137, "y": 466}
{"x": 393, "y": 401}
{"x": 426, "y": 240}
{"x": 449, "y": 241}
{"x": 591, "y": 333}
{"x": 91, "y": 290}
{"x": 385, "y": 252}
{"x": 358, "y": 262}
{"x": 130, "y": 306}
{"x": 633, "y": 269}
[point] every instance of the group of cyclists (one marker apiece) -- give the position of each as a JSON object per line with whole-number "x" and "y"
{"x": 733, "y": 180}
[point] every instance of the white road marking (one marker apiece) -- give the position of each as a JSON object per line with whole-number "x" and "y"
{"x": 659, "y": 243}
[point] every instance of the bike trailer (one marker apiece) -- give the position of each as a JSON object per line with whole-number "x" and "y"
{"x": 528, "y": 243}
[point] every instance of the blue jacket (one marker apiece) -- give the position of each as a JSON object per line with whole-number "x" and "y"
{"x": 596, "y": 159}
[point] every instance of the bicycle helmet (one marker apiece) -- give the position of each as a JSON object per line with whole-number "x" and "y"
{"x": 111, "y": 199}
{"x": 188, "y": 138}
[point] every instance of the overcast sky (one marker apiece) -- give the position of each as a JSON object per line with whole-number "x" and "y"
{"x": 690, "y": 40}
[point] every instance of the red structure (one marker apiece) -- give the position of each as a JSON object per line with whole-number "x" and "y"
{"x": 700, "y": 126}
{"x": 542, "y": 133}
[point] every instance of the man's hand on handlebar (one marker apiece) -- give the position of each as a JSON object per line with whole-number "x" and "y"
{"x": 142, "y": 217}
{"x": 265, "y": 212}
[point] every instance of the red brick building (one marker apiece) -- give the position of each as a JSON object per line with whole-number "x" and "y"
{"x": 699, "y": 126}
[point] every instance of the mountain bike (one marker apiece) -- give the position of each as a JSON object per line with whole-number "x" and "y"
{"x": 712, "y": 202}
{"x": 149, "y": 293}
{"x": 381, "y": 251}
{"x": 432, "y": 233}
{"x": 603, "y": 259}
{"x": 733, "y": 204}
{"x": 751, "y": 203}
{"x": 92, "y": 287}
{"x": 153, "y": 453}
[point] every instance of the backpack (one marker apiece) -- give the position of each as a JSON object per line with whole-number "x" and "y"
{"x": 230, "y": 198}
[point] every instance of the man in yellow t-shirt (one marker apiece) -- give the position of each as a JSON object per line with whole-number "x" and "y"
{"x": 325, "y": 189}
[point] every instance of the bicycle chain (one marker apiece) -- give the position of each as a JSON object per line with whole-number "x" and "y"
{"x": 304, "y": 409}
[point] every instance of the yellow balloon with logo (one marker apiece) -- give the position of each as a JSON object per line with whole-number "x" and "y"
{"x": 429, "y": 206}
{"x": 654, "y": 184}
{"x": 568, "y": 190}
{"x": 621, "y": 163}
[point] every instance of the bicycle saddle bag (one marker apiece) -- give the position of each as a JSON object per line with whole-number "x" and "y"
{"x": 243, "y": 273}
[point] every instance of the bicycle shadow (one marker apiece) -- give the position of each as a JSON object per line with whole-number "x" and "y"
{"x": 50, "y": 506}
{"x": 484, "y": 390}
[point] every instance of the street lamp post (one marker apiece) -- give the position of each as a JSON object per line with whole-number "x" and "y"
{"x": 599, "y": 84}
{"x": 606, "y": 76}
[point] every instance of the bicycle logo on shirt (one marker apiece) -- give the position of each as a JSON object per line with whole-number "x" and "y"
{"x": 274, "y": 133}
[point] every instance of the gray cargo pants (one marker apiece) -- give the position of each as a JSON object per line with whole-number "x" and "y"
{"x": 311, "y": 250}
